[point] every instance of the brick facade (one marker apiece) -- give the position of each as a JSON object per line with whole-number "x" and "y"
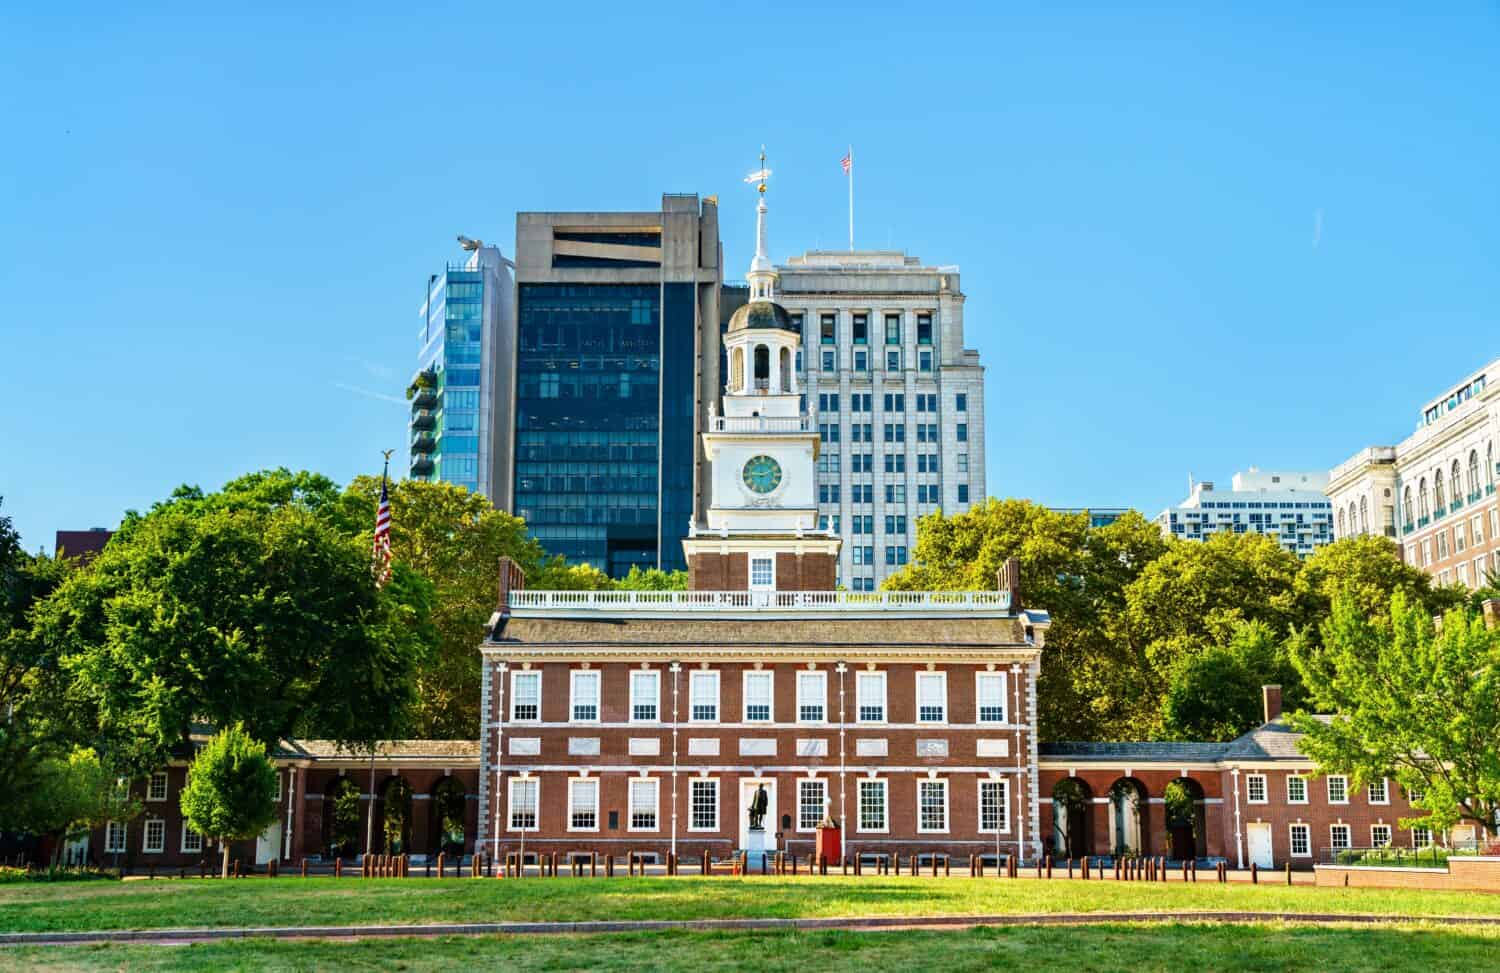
{"x": 708, "y": 571}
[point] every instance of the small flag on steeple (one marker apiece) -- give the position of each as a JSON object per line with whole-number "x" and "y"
{"x": 382, "y": 550}
{"x": 847, "y": 161}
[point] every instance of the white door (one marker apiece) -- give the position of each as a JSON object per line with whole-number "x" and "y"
{"x": 268, "y": 845}
{"x": 772, "y": 822}
{"x": 1260, "y": 845}
{"x": 77, "y": 850}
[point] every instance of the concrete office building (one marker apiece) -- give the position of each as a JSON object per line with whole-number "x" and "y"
{"x": 460, "y": 397}
{"x": 615, "y": 341}
{"x": 1290, "y": 506}
{"x": 1441, "y": 481}
{"x": 897, "y": 399}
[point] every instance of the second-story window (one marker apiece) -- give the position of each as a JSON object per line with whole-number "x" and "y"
{"x": 812, "y": 697}
{"x": 585, "y": 696}
{"x": 645, "y": 696}
{"x": 869, "y": 688}
{"x": 758, "y": 697}
{"x": 526, "y": 697}
{"x": 932, "y": 697}
{"x": 703, "y": 692}
{"x": 990, "y": 692}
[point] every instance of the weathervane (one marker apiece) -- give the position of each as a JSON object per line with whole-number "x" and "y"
{"x": 759, "y": 176}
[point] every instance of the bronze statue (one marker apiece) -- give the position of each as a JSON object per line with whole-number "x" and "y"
{"x": 758, "y": 805}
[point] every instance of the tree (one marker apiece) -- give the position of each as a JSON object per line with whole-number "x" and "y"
{"x": 244, "y": 606}
{"x": 230, "y": 793}
{"x": 1366, "y": 570}
{"x": 1216, "y": 694}
{"x": 1410, "y": 700}
{"x": 70, "y": 794}
{"x": 652, "y": 579}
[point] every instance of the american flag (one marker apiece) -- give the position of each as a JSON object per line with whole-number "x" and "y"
{"x": 382, "y": 552}
{"x": 847, "y": 162}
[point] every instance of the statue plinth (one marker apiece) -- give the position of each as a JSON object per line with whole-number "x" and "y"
{"x": 755, "y": 847}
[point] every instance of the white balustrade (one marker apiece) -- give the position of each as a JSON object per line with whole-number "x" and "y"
{"x": 645, "y": 602}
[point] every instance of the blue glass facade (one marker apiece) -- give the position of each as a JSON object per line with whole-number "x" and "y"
{"x": 588, "y": 417}
{"x": 452, "y": 350}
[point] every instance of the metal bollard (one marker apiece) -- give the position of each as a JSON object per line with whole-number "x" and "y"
{"x": 1254, "y": 874}
{"x": 1049, "y": 866}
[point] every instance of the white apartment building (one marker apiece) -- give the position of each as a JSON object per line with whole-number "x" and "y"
{"x": 897, "y": 399}
{"x": 1434, "y": 492}
{"x": 1289, "y": 506}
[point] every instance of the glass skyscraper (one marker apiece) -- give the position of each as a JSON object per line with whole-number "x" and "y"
{"x": 607, "y": 370}
{"x": 460, "y": 395}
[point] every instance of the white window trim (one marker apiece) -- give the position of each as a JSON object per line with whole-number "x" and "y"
{"x": 572, "y": 807}
{"x": 718, "y": 804}
{"x": 1292, "y": 845}
{"x": 947, "y": 821}
{"x": 110, "y": 848}
{"x": 1329, "y": 788}
{"x": 980, "y": 677}
{"x": 805, "y": 780}
{"x": 1265, "y": 789}
{"x": 1348, "y": 828}
{"x": 151, "y": 782}
{"x": 161, "y": 846}
{"x": 1390, "y": 836}
{"x": 745, "y": 677}
{"x": 1004, "y": 785}
{"x": 655, "y": 783}
{"x": 821, "y": 678}
{"x": 655, "y": 675}
{"x": 574, "y": 677}
{"x": 516, "y": 676}
{"x": 750, "y": 572}
{"x": 942, "y": 679}
{"x": 1305, "y": 791}
{"x": 694, "y": 676}
{"x": 1385, "y": 786}
{"x": 510, "y": 804}
{"x": 860, "y": 678}
{"x": 1431, "y": 840}
{"x": 182, "y": 844}
{"x": 885, "y": 809}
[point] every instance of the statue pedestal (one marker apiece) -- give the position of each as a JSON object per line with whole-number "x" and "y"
{"x": 755, "y": 848}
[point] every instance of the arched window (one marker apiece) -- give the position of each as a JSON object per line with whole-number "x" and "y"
{"x": 762, "y": 367}
{"x": 1406, "y": 507}
{"x": 737, "y": 370}
{"x": 1456, "y": 484}
{"x": 1342, "y": 532}
{"x": 1424, "y": 502}
{"x": 1489, "y": 464}
{"x": 786, "y": 369}
{"x": 1364, "y": 515}
{"x": 1353, "y": 524}
{"x": 1474, "y": 473}
{"x": 1438, "y": 497}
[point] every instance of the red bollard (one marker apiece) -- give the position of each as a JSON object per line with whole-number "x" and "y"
{"x": 1049, "y": 866}
{"x": 1254, "y": 874}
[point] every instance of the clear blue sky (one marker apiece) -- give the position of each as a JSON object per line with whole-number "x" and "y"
{"x": 1190, "y": 241}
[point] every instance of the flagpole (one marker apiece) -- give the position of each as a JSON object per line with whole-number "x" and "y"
{"x": 370, "y": 818}
{"x": 851, "y": 198}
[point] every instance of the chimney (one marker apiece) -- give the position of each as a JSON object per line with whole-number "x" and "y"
{"x": 1491, "y": 609}
{"x": 1271, "y": 696}
{"x": 1009, "y": 580}
{"x": 512, "y": 578}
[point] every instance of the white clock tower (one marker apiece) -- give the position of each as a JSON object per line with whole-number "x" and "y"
{"x": 762, "y": 530}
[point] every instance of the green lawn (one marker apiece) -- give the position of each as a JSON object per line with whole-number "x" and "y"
{"x": 295, "y": 901}
{"x": 1139, "y": 948}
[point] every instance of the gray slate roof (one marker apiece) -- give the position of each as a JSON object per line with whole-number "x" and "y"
{"x": 1143, "y": 752}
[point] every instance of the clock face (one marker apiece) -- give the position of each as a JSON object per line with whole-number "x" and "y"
{"x": 762, "y": 474}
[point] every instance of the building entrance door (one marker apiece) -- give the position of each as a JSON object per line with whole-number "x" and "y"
{"x": 268, "y": 844}
{"x": 1260, "y": 845}
{"x": 747, "y": 794}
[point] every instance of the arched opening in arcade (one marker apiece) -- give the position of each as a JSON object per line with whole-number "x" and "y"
{"x": 394, "y": 813}
{"x": 341, "y": 820}
{"x": 1127, "y": 814}
{"x": 1072, "y": 819}
{"x": 448, "y": 812}
{"x": 786, "y": 369}
{"x": 1187, "y": 836}
{"x": 737, "y": 369}
{"x": 762, "y": 367}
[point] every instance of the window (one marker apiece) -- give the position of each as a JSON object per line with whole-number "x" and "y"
{"x": 961, "y": 402}
{"x": 962, "y": 432}
{"x": 1379, "y": 792}
{"x": 895, "y": 432}
{"x": 703, "y": 692}
{"x": 643, "y": 803}
{"x": 961, "y": 462}
{"x": 155, "y": 840}
{"x": 827, "y": 361}
{"x": 869, "y": 691}
{"x": 963, "y": 493}
{"x": 932, "y": 697}
{"x": 893, "y": 329}
{"x": 895, "y": 492}
{"x": 924, "y": 361}
{"x": 757, "y": 697}
{"x": 1296, "y": 790}
{"x": 645, "y": 696}
{"x": 1255, "y": 788}
{"x": 1338, "y": 790}
{"x": 192, "y": 841}
{"x": 703, "y": 805}
{"x": 810, "y": 796}
{"x": 828, "y": 493}
{"x": 1380, "y": 835}
{"x": 932, "y": 806}
{"x": 1339, "y": 837}
{"x": 994, "y": 806}
{"x": 895, "y": 555}
{"x": 523, "y": 803}
{"x": 585, "y": 695}
{"x": 828, "y": 432}
{"x": 895, "y": 402}
{"x": 762, "y": 574}
{"x": 829, "y": 401}
{"x": 156, "y": 787}
{"x": 861, "y": 360}
{"x": 1301, "y": 841}
{"x": 583, "y": 804}
{"x": 861, "y": 325}
{"x": 1421, "y": 837}
{"x": 893, "y": 360}
{"x": 895, "y": 463}
{"x": 989, "y": 692}
{"x": 812, "y": 697}
{"x": 525, "y": 697}
{"x": 895, "y": 523}
{"x": 827, "y": 325}
{"x": 872, "y": 806}
{"x": 114, "y": 837}
{"x": 924, "y": 329}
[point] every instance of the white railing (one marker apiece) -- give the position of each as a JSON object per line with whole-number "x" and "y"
{"x": 762, "y": 424}
{"x": 726, "y": 601}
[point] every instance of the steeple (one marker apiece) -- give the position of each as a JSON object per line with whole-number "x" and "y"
{"x": 762, "y": 274}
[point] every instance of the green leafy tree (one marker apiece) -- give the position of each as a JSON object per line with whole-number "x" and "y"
{"x": 1365, "y": 570}
{"x": 245, "y": 606}
{"x": 1412, "y": 701}
{"x": 558, "y": 575}
{"x": 230, "y": 793}
{"x": 70, "y": 794}
{"x": 1216, "y": 694}
{"x": 652, "y": 579}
